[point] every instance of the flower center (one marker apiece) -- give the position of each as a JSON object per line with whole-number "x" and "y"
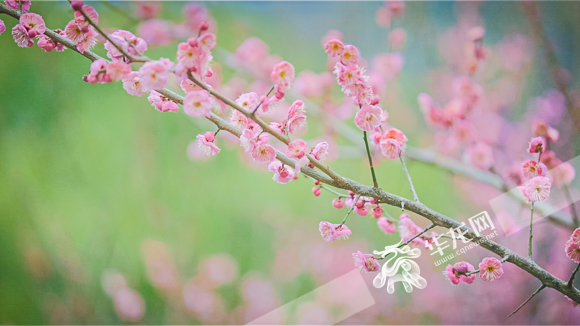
{"x": 283, "y": 74}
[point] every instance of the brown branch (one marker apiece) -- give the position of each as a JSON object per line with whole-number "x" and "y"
{"x": 437, "y": 219}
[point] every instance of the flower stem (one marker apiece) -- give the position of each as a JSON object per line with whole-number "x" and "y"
{"x": 375, "y": 183}
{"x": 527, "y": 300}
{"x": 531, "y": 234}
{"x": 258, "y": 106}
{"x": 415, "y": 197}
{"x": 350, "y": 210}
{"x": 571, "y": 280}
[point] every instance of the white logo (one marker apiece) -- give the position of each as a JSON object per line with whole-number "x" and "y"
{"x": 481, "y": 222}
{"x": 409, "y": 269}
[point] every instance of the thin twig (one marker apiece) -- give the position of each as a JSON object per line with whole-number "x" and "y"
{"x": 415, "y": 197}
{"x": 530, "y": 298}
{"x": 571, "y": 280}
{"x": 350, "y": 210}
{"x": 417, "y": 235}
{"x": 531, "y": 234}
{"x": 258, "y": 106}
{"x": 375, "y": 183}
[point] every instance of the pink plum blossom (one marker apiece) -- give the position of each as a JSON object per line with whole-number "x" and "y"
{"x": 572, "y": 250}
{"x": 263, "y": 152}
{"x": 283, "y": 76}
{"x": 480, "y": 155}
{"x": 153, "y": 74}
{"x": 457, "y": 273}
{"x": 334, "y": 48}
{"x": 282, "y": 174}
{"x": 537, "y": 145}
{"x": 161, "y": 103}
{"x": 349, "y": 55}
{"x": 88, "y": 41}
{"x": 296, "y": 148}
{"x": 98, "y": 72}
{"x": 33, "y": 23}
{"x": 338, "y": 203}
{"x": 130, "y": 43}
{"x": 197, "y": 104}
{"x": 238, "y": 120}
{"x": 390, "y": 148}
{"x": 74, "y": 33}
{"x": 48, "y": 44}
{"x": 490, "y": 269}
{"x": 248, "y": 101}
{"x": 206, "y": 144}
{"x": 532, "y": 169}
{"x": 368, "y": 117}
{"x": 395, "y": 134}
{"x": 536, "y": 189}
{"x": 377, "y": 211}
{"x": 320, "y": 151}
{"x": 2, "y": 27}
{"x": 575, "y": 237}
{"x": 21, "y": 37}
{"x": 331, "y": 232}
{"x": 366, "y": 262}
{"x": 133, "y": 85}
{"x": 296, "y": 117}
{"x": 118, "y": 69}
{"x": 386, "y": 225}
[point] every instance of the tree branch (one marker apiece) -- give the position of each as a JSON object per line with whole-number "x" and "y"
{"x": 528, "y": 299}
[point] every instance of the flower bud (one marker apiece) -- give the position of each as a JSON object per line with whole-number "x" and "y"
{"x": 209, "y": 136}
{"x": 77, "y": 5}
{"x": 338, "y": 203}
{"x": 192, "y": 41}
{"x": 316, "y": 191}
{"x": 351, "y": 193}
{"x": 360, "y": 203}
{"x": 203, "y": 26}
{"x": 316, "y": 182}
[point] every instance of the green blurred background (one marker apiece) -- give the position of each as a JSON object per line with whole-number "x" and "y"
{"x": 88, "y": 172}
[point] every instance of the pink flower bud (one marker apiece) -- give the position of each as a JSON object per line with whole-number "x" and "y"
{"x": 338, "y": 203}
{"x": 360, "y": 203}
{"x": 362, "y": 211}
{"x": 375, "y": 101}
{"x": 209, "y": 73}
{"x": 373, "y": 200}
{"x": 316, "y": 191}
{"x": 85, "y": 28}
{"x": 316, "y": 182}
{"x": 77, "y": 5}
{"x": 351, "y": 193}
{"x": 279, "y": 95}
{"x": 209, "y": 136}
{"x": 192, "y": 41}
{"x": 32, "y": 33}
{"x": 377, "y": 211}
{"x": 203, "y": 26}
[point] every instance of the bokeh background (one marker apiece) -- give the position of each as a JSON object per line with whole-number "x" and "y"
{"x": 98, "y": 188}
